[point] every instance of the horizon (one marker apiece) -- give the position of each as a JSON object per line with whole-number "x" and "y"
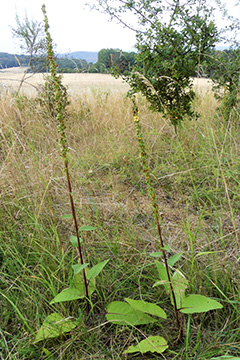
{"x": 71, "y": 30}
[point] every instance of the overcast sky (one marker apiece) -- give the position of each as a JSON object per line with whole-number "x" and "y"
{"x": 73, "y": 26}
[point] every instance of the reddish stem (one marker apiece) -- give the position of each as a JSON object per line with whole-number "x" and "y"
{"x": 77, "y": 235}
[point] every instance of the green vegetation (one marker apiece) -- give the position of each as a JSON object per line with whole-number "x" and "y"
{"x": 108, "y": 59}
{"x": 196, "y": 180}
{"x": 172, "y": 41}
{"x": 225, "y": 72}
{"x": 139, "y": 193}
{"x": 10, "y": 60}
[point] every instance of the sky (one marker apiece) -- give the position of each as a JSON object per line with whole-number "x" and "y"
{"x": 73, "y": 26}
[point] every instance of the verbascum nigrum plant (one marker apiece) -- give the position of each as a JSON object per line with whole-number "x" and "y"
{"x": 60, "y": 110}
{"x": 84, "y": 279}
{"x": 140, "y": 312}
{"x": 152, "y": 195}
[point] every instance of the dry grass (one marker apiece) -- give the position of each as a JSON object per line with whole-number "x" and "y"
{"x": 110, "y": 193}
{"x": 76, "y": 83}
{"x": 103, "y": 151}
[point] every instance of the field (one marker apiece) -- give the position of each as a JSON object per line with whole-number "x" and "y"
{"x": 196, "y": 179}
{"x": 76, "y": 83}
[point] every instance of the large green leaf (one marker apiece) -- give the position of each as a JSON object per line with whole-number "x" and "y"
{"x": 152, "y": 344}
{"x": 54, "y": 326}
{"x": 198, "y": 304}
{"x": 95, "y": 270}
{"x": 67, "y": 295}
{"x": 119, "y": 312}
{"x": 147, "y": 307}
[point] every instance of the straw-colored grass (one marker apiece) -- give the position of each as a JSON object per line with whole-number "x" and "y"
{"x": 76, "y": 83}
{"x": 196, "y": 177}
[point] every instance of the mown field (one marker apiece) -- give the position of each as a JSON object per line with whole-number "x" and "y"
{"x": 76, "y": 83}
{"x": 197, "y": 183}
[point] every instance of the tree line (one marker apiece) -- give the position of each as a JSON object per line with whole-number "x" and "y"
{"x": 107, "y": 59}
{"x": 118, "y": 60}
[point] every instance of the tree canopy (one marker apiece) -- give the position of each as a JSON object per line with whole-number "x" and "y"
{"x": 115, "y": 58}
{"x": 172, "y": 39}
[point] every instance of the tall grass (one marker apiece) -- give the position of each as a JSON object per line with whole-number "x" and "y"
{"x": 197, "y": 184}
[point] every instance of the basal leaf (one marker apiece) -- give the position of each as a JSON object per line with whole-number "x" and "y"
{"x": 79, "y": 267}
{"x": 67, "y": 295}
{"x": 147, "y": 307}
{"x": 198, "y": 304}
{"x": 87, "y": 228}
{"x": 119, "y": 312}
{"x": 95, "y": 270}
{"x": 152, "y": 344}
{"x": 54, "y": 326}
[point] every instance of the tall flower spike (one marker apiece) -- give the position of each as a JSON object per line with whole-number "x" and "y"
{"x": 152, "y": 196}
{"x": 60, "y": 104}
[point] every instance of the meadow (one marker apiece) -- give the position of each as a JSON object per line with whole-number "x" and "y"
{"x": 196, "y": 178}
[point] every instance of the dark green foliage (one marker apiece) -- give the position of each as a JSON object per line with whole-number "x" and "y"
{"x": 68, "y": 65}
{"x": 108, "y": 58}
{"x": 172, "y": 39}
{"x": 10, "y": 60}
{"x": 225, "y": 73}
{"x": 121, "y": 61}
{"x": 168, "y": 57}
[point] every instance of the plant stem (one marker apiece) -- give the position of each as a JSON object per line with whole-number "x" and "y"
{"x": 60, "y": 105}
{"x": 156, "y": 211}
{"x": 152, "y": 195}
{"x": 77, "y": 234}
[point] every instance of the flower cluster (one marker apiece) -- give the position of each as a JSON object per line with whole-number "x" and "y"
{"x": 143, "y": 157}
{"x": 60, "y": 91}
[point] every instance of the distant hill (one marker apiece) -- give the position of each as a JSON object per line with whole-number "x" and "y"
{"x": 11, "y": 60}
{"x": 89, "y": 56}
{"x": 82, "y": 58}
